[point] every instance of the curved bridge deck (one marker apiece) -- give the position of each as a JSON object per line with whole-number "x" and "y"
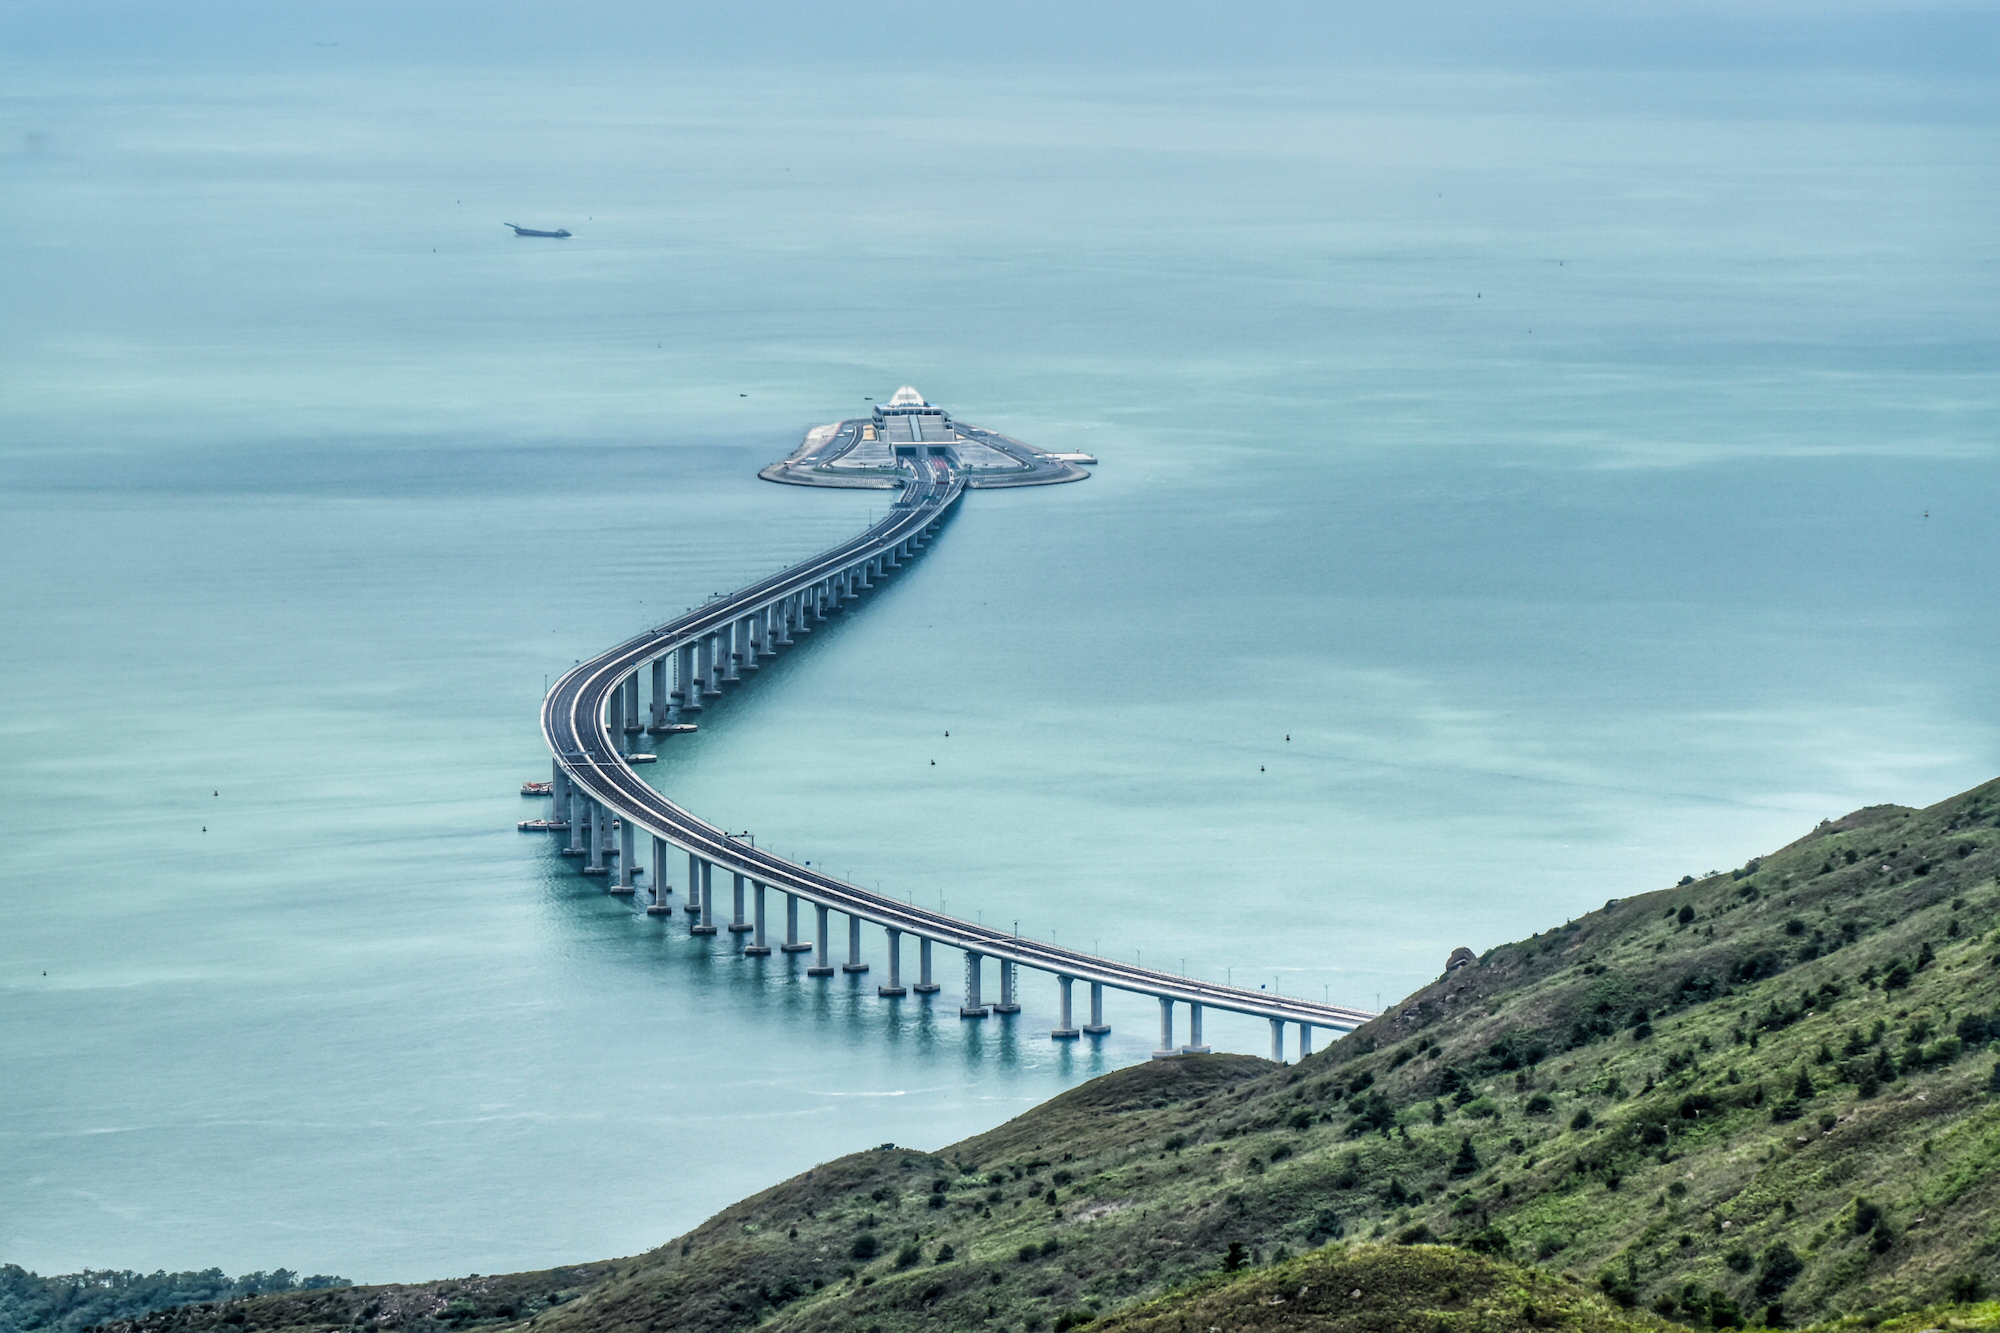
{"x": 713, "y": 645}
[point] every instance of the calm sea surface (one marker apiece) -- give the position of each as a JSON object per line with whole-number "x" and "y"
{"x": 1517, "y": 491}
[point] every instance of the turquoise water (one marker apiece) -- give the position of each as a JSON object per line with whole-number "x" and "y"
{"x": 1592, "y": 477}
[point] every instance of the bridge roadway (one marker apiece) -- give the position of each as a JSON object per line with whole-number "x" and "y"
{"x": 590, "y": 703}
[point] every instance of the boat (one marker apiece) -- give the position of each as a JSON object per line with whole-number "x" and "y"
{"x": 558, "y": 234}
{"x": 541, "y": 825}
{"x": 672, "y": 729}
{"x": 642, "y": 759}
{"x": 538, "y": 789}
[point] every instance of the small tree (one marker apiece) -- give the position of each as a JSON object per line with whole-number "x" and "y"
{"x": 1467, "y": 1160}
{"x": 1233, "y": 1261}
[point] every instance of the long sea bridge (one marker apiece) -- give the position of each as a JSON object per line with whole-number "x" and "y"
{"x": 603, "y": 806}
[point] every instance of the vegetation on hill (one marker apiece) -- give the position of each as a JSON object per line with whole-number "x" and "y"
{"x": 30, "y": 1302}
{"x": 1762, "y": 1097}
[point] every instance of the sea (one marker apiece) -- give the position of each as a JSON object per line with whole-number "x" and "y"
{"x": 1523, "y": 482}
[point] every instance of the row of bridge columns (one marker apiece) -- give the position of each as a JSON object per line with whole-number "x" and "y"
{"x": 590, "y": 826}
{"x": 702, "y": 666}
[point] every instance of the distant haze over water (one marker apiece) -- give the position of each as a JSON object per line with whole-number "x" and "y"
{"x": 1589, "y": 465}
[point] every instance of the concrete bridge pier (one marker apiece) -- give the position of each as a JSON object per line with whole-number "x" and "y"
{"x": 715, "y": 653}
{"x": 707, "y": 926}
{"x": 821, "y": 966}
{"x": 925, "y": 986}
{"x": 784, "y": 612}
{"x": 694, "y": 883}
{"x": 767, "y": 631}
{"x": 1305, "y": 1040}
{"x": 730, "y": 649}
{"x": 895, "y": 986}
{"x": 660, "y": 886}
{"x": 757, "y": 947}
{"x": 1006, "y": 1005}
{"x": 631, "y": 692}
{"x": 578, "y": 816}
{"x": 1166, "y": 1050}
{"x": 971, "y": 1007}
{"x": 853, "y": 963}
{"x": 737, "y": 925}
{"x": 1278, "y": 1040}
{"x": 595, "y": 816}
{"x": 624, "y": 886}
{"x": 660, "y": 699}
{"x": 1194, "y": 1045}
{"x": 1096, "y": 1025}
{"x": 861, "y": 572}
{"x": 689, "y": 692}
{"x": 558, "y": 791}
{"x": 833, "y": 591}
{"x": 792, "y": 943}
{"x": 746, "y": 643}
{"x": 1065, "y": 1027}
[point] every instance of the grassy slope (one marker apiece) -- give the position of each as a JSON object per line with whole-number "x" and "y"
{"x": 1734, "y": 1121}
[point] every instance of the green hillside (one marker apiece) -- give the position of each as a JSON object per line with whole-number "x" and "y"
{"x": 1769, "y": 1096}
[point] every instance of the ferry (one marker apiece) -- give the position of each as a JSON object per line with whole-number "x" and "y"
{"x": 542, "y": 825}
{"x": 538, "y": 789}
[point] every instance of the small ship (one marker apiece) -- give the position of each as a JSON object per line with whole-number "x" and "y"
{"x": 530, "y": 231}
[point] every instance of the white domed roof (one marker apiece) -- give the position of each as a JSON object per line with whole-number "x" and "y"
{"x": 907, "y": 396}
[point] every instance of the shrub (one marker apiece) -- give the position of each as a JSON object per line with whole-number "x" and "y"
{"x": 1026, "y": 1252}
{"x": 1070, "y": 1319}
{"x": 1776, "y": 1270}
{"x": 1049, "y": 1246}
{"x": 908, "y": 1256}
{"x": 1326, "y": 1225}
{"x": 945, "y": 1254}
{"x": 1867, "y": 1216}
{"x": 1489, "y": 1240}
{"x": 865, "y": 1246}
{"x": 1618, "y": 1286}
{"x": 1416, "y": 1235}
{"x": 1301, "y": 1119}
{"x": 1739, "y": 1259}
{"x": 1581, "y": 1120}
{"x": 1967, "y": 1288}
{"x": 1539, "y": 1104}
{"x": 1233, "y": 1260}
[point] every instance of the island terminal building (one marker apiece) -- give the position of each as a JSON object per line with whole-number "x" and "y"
{"x": 875, "y": 450}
